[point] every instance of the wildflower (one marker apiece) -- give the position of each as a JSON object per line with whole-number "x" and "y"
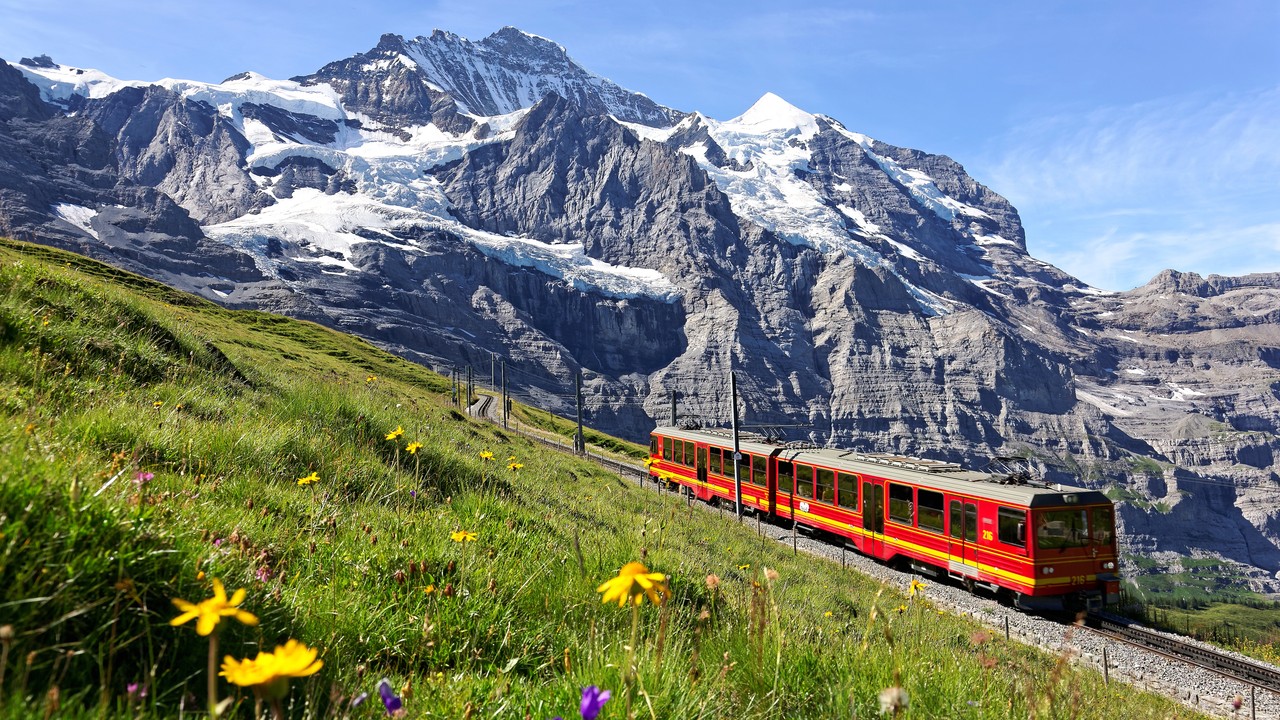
{"x": 270, "y": 672}
{"x": 713, "y": 582}
{"x": 358, "y": 700}
{"x": 593, "y": 700}
{"x": 136, "y": 691}
{"x": 313, "y": 477}
{"x": 1237, "y": 702}
{"x": 635, "y": 581}
{"x": 200, "y": 575}
{"x": 486, "y": 456}
{"x": 263, "y": 574}
{"x": 371, "y": 378}
{"x": 916, "y": 586}
{"x": 395, "y": 433}
{"x": 413, "y": 448}
{"x": 157, "y": 404}
{"x": 893, "y": 700}
{"x": 513, "y": 465}
{"x": 389, "y": 699}
{"x": 141, "y": 478}
{"x": 210, "y": 612}
{"x": 826, "y": 614}
{"x": 745, "y": 566}
{"x": 900, "y": 609}
{"x": 770, "y": 574}
{"x": 462, "y": 536}
{"x": 429, "y": 590}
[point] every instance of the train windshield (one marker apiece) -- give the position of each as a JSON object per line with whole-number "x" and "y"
{"x": 1060, "y": 529}
{"x": 1104, "y": 526}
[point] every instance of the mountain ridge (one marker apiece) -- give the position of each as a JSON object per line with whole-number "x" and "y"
{"x": 878, "y": 296}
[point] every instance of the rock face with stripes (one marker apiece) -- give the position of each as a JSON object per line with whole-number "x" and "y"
{"x": 457, "y": 200}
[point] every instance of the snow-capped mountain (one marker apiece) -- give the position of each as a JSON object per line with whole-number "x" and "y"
{"x": 452, "y": 199}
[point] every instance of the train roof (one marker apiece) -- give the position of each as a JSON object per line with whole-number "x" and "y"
{"x": 934, "y": 474}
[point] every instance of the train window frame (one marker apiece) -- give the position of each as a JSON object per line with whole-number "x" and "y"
{"x": 790, "y": 475}
{"x": 935, "y": 514}
{"x": 824, "y": 492}
{"x": 897, "y": 496}
{"x": 841, "y": 501}
{"x": 759, "y": 470}
{"x": 653, "y": 445}
{"x": 667, "y": 445}
{"x": 1011, "y": 526}
{"x": 690, "y": 447}
{"x": 802, "y": 485}
{"x": 717, "y": 461}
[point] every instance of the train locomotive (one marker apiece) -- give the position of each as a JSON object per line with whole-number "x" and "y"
{"x": 1047, "y": 546}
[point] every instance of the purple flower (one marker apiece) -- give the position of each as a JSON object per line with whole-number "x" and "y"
{"x": 136, "y": 690}
{"x": 389, "y": 699}
{"x": 413, "y": 494}
{"x": 142, "y": 478}
{"x": 593, "y": 700}
{"x": 358, "y": 700}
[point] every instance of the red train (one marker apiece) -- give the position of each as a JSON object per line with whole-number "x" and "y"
{"x": 1048, "y": 545}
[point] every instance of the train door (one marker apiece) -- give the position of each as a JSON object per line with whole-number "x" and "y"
{"x": 873, "y": 517}
{"x": 702, "y": 492}
{"x": 962, "y": 539}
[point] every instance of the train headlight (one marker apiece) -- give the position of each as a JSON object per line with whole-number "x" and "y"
{"x": 1047, "y": 570}
{"x": 1109, "y": 565}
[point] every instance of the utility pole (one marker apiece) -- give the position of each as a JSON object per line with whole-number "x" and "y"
{"x": 504, "y": 395}
{"x": 737, "y": 450}
{"x": 453, "y": 386}
{"x": 579, "y": 442}
{"x": 673, "y": 408}
{"x": 471, "y": 385}
{"x": 493, "y": 376}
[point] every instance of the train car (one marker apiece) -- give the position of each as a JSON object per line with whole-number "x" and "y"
{"x": 1049, "y": 546}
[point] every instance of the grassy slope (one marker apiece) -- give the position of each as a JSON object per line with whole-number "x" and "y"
{"x": 104, "y": 374}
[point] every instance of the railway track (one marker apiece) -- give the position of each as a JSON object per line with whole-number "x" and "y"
{"x": 1123, "y": 630}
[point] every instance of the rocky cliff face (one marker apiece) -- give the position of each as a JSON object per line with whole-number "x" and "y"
{"x": 460, "y": 201}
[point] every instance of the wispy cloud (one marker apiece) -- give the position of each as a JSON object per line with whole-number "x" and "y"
{"x": 1117, "y": 194}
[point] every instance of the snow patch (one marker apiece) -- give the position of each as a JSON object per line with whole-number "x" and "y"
{"x": 77, "y": 215}
{"x": 1135, "y": 371}
{"x": 1101, "y": 404}
{"x": 1181, "y": 394}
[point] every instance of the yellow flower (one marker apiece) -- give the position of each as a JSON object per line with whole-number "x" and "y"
{"x": 512, "y": 465}
{"x": 413, "y": 447}
{"x": 745, "y": 566}
{"x": 271, "y": 671}
{"x": 157, "y": 404}
{"x": 371, "y": 378}
{"x": 429, "y": 590}
{"x": 462, "y": 536}
{"x": 916, "y": 586}
{"x": 486, "y": 456}
{"x": 210, "y": 612}
{"x": 511, "y": 459}
{"x": 309, "y": 479}
{"x": 395, "y": 433}
{"x": 635, "y": 581}
{"x": 826, "y": 614}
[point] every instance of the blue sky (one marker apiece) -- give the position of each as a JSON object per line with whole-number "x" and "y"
{"x": 1131, "y": 136}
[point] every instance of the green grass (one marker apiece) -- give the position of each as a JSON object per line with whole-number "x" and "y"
{"x": 104, "y": 375}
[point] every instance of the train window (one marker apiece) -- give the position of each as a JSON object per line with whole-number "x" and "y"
{"x": 957, "y": 520}
{"x": 804, "y": 481}
{"x": 1057, "y": 529}
{"x": 931, "y": 513}
{"x": 667, "y": 444}
{"x": 970, "y": 522}
{"x": 826, "y": 486}
{"x": 1012, "y": 528}
{"x": 901, "y": 503}
{"x": 847, "y": 496}
{"x": 786, "y": 478}
{"x": 715, "y": 461}
{"x": 653, "y": 444}
{"x": 688, "y": 453}
{"x": 1104, "y": 526}
{"x": 759, "y": 470}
